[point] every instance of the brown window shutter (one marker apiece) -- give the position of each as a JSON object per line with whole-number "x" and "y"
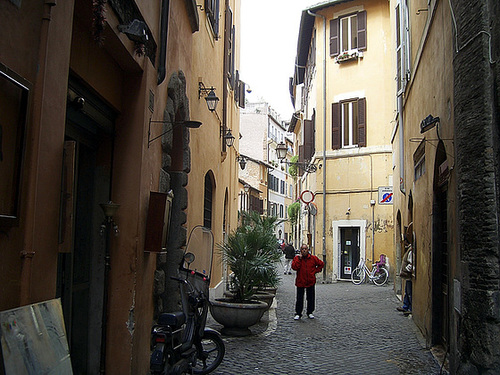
{"x": 241, "y": 98}
{"x": 362, "y": 30}
{"x": 308, "y": 139}
{"x": 233, "y": 81}
{"x": 335, "y": 126}
{"x": 362, "y": 122}
{"x": 238, "y": 87}
{"x": 216, "y": 17}
{"x": 334, "y": 37}
{"x": 300, "y": 171}
{"x": 228, "y": 23}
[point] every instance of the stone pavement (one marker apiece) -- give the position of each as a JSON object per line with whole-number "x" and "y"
{"x": 356, "y": 331}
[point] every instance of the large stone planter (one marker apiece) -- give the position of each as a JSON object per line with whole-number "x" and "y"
{"x": 237, "y": 317}
{"x": 264, "y": 297}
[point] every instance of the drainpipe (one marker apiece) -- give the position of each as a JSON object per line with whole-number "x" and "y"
{"x": 324, "y": 138}
{"x": 27, "y": 251}
{"x": 372, "y": 203}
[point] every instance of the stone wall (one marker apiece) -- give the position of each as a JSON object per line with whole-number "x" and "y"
{"x": 477, "y": 144}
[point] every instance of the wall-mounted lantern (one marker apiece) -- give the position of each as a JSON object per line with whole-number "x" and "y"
{"x": 209, "y": 95}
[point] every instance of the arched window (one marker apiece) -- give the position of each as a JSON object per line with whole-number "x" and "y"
{"x": 208, "y": 199}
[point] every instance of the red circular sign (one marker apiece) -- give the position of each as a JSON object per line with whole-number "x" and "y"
{"x": 307, "y": 196}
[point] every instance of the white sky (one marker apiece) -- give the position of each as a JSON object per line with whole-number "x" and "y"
{"x": 269, "y": 32}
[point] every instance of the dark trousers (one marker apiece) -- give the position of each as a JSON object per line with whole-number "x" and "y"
{"x": 407, "y": 296}
{"x": 299, "y": 304}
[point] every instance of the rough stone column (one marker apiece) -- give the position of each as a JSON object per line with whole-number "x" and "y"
{"x": 166, "y": 291}
{"x": 476, "y": 109}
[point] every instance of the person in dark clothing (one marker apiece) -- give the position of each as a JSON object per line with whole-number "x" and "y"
{"x": 307, "y": 266}
{"x": 289, "y": 252}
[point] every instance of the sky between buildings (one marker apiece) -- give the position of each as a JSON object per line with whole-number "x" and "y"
{"x": 269, "y": 31}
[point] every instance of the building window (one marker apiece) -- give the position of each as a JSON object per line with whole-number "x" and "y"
{"x": 419, "y": 161}
{"x": 348, "y": 33}
{"x": 207, "y": 206}
{"x": 402, "y": 45}
{"x": 281, "y": 211}
{"x": 349, "y": 124}
{"x": 212, "y": 10}
{"x": 349, "y": 118}
{"x": 282, "y": 187}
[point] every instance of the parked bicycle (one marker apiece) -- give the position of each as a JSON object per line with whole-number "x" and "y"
{"x": 378, "y": 274}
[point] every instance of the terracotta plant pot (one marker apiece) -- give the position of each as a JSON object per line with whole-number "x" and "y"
{"x": 236, "y": 317}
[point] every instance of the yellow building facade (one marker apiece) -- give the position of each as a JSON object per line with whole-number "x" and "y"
{"x": 107, "y": 94}
{"x": 343, "y": 85}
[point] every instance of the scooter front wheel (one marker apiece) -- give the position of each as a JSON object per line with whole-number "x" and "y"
{"x": 210, "y": 352}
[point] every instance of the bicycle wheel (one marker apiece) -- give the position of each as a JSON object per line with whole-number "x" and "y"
{"x": 358, "y": 276}
{"x": 380, "y": 276}
{"x": 210, "y": 353}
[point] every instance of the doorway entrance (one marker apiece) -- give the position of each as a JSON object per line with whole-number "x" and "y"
{"x": 87, "y": 181}
{"x": 440, "y": 255}
{"x": 349, "y": 246}
{"x": 349, "y": 251}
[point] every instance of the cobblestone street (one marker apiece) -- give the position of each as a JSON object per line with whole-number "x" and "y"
{"x": 356, "y": 330}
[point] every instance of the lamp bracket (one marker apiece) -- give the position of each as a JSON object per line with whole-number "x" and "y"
{"x": 187, "y": 124}
{"x": 202, "y": 89}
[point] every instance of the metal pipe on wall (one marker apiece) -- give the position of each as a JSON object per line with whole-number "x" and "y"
{"x": 324, "y": 138}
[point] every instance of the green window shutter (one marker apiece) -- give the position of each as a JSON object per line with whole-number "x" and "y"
{"x": 334, "y": 37}
{"x": 362, "y": 122}
{"x": 335, "y": 126}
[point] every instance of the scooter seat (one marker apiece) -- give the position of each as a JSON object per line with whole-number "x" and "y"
{"x": 175, "y": 319}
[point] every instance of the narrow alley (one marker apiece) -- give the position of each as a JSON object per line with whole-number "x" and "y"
{"x": 356, "y": 330}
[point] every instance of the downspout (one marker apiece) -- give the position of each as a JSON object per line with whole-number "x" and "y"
{"x": 28, "y": 251}
{"x": 372, "y": 203}
{"x": 324, "y": 138}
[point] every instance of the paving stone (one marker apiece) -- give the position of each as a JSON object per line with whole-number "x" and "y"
{"x": 356, "y": 330}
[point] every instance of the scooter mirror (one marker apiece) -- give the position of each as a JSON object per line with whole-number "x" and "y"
{"x": 189, "y": 258}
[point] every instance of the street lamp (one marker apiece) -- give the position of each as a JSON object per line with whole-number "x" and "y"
{"x": 209, "y": 94}
{"x": 228, "y": 137}
{"x": 242, "y": 160}
{"x": 281, "y": 151}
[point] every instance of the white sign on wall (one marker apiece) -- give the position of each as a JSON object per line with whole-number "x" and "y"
{"x": 385, "y": 195}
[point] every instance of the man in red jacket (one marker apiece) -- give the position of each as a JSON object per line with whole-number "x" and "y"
{"x": 307, "y": 266}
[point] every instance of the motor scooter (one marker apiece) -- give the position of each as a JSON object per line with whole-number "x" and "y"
{"x": 180, "y": 343}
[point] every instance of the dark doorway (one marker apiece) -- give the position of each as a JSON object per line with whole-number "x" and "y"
{"x": 80, "y": 284}
{"x": 440, "y": 256}
{"x": 349, "y": 251}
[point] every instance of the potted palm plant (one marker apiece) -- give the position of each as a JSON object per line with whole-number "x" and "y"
{"x": 251, "y": 254}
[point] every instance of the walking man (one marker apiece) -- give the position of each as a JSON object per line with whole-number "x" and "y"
{"x": 289, "y": 255}
{"x": 307, "y": 266}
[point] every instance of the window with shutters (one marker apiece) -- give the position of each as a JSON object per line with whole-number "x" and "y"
{"x": 208, "y": 201}
{"x": 349, "y": 124}
{"x": 212, "y": 10}
{"x": 402, "y": 45}
{"x": 230, "y": 48}
{"x": 348, "y": 34}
